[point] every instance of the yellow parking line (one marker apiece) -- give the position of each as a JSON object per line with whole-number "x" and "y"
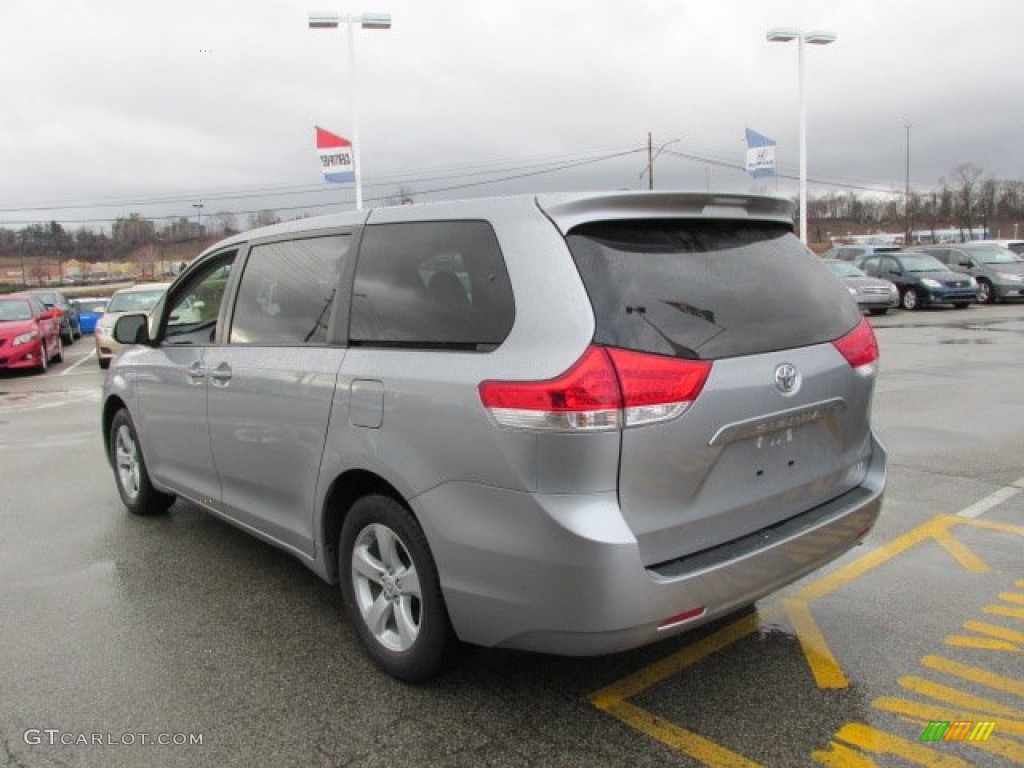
{"x": 1011, "y": 597}
{"x": 915, "y": 710}
{"x": 982, "y": 643}
{"x": 871, "y": 560}
{"x": 993, "y": 630}
{"x": 958, "y": 698}
{"x": 881, "y": 743}
{"x": 974, "y": 674}
{"x": 841, "y": 756}
{"x": 1003, "y": 610}
{"x": 1011, "y": 750}
{"x": 826, "y": 670}
{"x": 707, "y": 752}
{"x": 963, "y": 555}
{"x": 672, "y": 665}
{"x": 992, "y": 525}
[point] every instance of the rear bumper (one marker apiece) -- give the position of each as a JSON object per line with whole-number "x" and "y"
{"x": 563, "y": 574}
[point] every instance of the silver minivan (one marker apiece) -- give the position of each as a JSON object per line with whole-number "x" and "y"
{"x": 573, "y": 424}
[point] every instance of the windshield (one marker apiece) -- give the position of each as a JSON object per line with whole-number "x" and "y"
{"x": 995, "y": 255}
{"x": 136, "y": 301}
{"x": 923, "y": 263}
{"x": 844, "y": 269}
{"x": 14, "y": 309}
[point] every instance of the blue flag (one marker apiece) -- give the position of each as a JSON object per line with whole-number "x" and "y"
{"x": 760, "y": 155}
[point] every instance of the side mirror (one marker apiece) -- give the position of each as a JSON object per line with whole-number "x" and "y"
{"x": 132, "y": 329}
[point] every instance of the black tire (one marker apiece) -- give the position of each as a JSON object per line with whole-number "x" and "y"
{"x": 104, "y": 362}
{"x": 130, "y": 474}
{"x": 910, "y": 299}
{"x": 986, "y": 293}
{"x": 962, "y": 304}
{"x": 59, "y": 357}
{"x": 879, "y": 310}
{"x": 44, "y": 358}
{"x": 411, "y": 637}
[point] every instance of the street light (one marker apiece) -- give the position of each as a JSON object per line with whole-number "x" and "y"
{"x": 199, "y": 219}
{"x": 816, "y": 37}
{"x": 330, "y": 20}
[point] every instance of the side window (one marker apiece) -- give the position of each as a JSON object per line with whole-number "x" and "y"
{"x": 431, "y": 284}
{"x": 870, "y": 266}
{"x": 288, "y": 291}
{"x": 195, "y": 305}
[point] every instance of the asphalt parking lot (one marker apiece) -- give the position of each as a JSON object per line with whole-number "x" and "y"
{"x": 121, "y": 633}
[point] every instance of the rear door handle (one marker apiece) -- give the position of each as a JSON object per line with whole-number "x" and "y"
{"x": 221, "y": 375}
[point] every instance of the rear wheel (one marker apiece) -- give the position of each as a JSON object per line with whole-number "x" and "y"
{"x": 909, "y": 300}
{"x": 391, "y": 589}
{"x": 104, "y": 362}
{"x": 130, "y": 474}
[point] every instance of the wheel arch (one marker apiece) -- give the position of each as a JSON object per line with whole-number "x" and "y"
{"x": 344, "y": 491}
{"x": 110, "y": 408}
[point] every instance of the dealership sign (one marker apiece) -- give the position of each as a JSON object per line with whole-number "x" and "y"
{"x": 336, "y": 160}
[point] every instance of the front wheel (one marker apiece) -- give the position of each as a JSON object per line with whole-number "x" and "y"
{"x": 44, "y": 358}
{"x": 910, "y": 300}
{"x": 391, "y": 589}
{"x": 59, "y": 357}
{"x": 962, "y": 304}
{"x": 130, "y": 474}
{"x": 986, "y": 295}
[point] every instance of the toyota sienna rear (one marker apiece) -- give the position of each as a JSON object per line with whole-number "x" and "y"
{"x": 573, "y": 424}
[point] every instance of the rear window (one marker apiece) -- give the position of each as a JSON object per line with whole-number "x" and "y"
{"x": 707, "y": 290}
{"x": 439, "y": 284}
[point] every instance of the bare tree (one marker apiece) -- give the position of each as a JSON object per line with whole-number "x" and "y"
{"x": 226, "y": 222}
{"x": 967, "y": 181}
{"x": 263, "y": 218}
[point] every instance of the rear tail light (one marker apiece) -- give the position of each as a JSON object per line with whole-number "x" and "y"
{"x": 605, "y": 389}
{"x": 860, "y": 348}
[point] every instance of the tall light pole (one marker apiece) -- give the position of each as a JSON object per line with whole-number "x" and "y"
{"x": 816, "y": 37}
{"x": 906, "y": 194}
{"x": 329, "y": 20}
{"x": 199, "y": 219}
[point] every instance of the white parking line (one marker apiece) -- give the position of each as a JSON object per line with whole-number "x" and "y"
{"x": 92, "y": 354}
{"x": 994, "y": 499}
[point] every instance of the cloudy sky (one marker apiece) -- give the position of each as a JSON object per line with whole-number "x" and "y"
{"x": 120, "y": 106}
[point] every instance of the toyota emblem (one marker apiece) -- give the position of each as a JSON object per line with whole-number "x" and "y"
{"x": 787, "y": 378}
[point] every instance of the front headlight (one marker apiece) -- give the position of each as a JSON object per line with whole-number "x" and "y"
{"x": 25, "y": 338}
{"x": 893, "y": 290}
{"x": 973, "y": 282}
{"x": 852, "y": 290}
{"x": 927, "y": 282}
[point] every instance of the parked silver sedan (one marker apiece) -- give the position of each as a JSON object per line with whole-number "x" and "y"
{"x": 875, "y": 295}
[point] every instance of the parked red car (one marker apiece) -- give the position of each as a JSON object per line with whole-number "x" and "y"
{"x": 29, "y": 333}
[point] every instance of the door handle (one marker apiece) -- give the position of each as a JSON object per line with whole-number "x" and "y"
{"x": 196, "y": 371}
{"x": 221, "y": 374}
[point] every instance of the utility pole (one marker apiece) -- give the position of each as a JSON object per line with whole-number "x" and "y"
{"x": 650, "y": 162}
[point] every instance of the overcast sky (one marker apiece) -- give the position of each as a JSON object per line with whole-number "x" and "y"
{"x": 151, "y": 106}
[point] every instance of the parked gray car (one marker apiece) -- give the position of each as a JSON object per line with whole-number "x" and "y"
{"x": 999, "y": 271}
{"x": 566, "y": 423}
{"x": 874, "y": 294}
